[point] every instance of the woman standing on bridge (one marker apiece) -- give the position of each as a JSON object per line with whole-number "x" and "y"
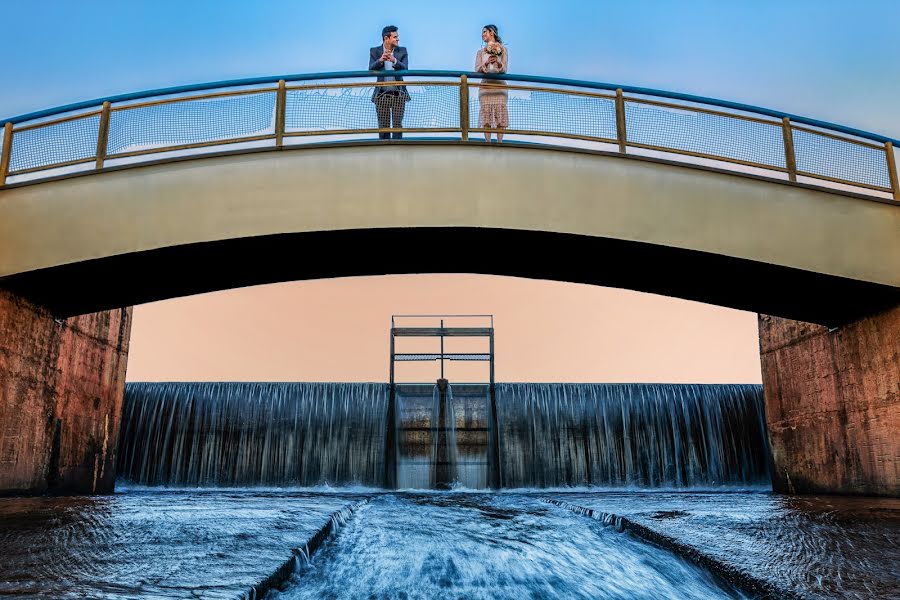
{"x": 492, "y": 95}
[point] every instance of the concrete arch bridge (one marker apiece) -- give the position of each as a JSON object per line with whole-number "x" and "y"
{"x": 141, "y": 197}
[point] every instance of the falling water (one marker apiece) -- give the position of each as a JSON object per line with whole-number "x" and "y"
{"x": 444, "y": 452}
{"x": 640, "y": 435}
{"x": 305, "y": 434}
{"x": 238, "y": 434}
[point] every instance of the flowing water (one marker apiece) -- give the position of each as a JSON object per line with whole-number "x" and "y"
{"x": 238, "y": 434}
{"x": 812, "y": 546}
{"x": 154, "y": 544}
{"x": 550, "y": 435}
{"x": 479, "y": 546}
{"x": 632, "y": 435}
{"x": 180, "y": 529}
{"x": 218, "y": 543}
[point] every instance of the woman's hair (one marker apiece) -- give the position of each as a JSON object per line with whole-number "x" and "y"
{"x": 493, "y": 29}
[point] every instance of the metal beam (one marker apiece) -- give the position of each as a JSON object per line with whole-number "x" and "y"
{"x": 445, "y": 331}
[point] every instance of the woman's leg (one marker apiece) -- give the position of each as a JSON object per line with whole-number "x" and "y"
{"x": 492, "y": 117}
{"x": 502, "y": 118}
{"x": 484, "y": 118}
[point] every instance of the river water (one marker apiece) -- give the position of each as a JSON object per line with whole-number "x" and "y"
{"x": 227, "y": 490}
{"x": 504, "y": 547}
{"x": 811, "y": 546}
{"x": 144, "y": 543}
{"x": 154, "y": 543}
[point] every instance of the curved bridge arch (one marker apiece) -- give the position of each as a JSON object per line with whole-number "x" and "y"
{"x": 136, "y": 235}
{"x": 116, "y": 202}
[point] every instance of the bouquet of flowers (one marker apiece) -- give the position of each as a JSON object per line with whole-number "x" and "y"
{"x": 494, "y": 49}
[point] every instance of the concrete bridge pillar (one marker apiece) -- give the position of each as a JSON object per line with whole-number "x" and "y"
{"x": 833, "y": 404}
{"x": 62, "y": 382}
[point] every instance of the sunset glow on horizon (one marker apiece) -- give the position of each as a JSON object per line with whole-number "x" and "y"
{"x": 337, "y": 330}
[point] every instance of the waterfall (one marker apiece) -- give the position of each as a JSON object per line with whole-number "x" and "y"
{"x": 305, "y": 434}
{"x": 642, "y": 435}
{"x": 444, "y": 449}
{"x": 236, "y": 434}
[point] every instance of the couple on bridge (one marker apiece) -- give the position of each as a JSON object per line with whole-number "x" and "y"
{"x": 390, "y": 100}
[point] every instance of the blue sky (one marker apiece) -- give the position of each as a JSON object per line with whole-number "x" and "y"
{"x": 830, "y": 59}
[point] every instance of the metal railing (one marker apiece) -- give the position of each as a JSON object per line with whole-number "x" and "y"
{"x": 295, "y": 111}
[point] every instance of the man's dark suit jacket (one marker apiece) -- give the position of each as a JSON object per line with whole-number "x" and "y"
{"x": 402, "y": 64}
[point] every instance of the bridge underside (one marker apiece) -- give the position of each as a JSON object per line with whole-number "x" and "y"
{"x": 831, "y": 397}
{"x": 136, "y": 278}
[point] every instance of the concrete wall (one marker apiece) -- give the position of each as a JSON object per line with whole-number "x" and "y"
{"x": 61, "y": 389}
{"x": 833, "y": 404}
{"x": 416, "y": 430}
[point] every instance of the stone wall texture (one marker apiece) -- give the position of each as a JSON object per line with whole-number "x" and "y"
{"x": 833, "y": 404}
{"x": 62, "y": 382}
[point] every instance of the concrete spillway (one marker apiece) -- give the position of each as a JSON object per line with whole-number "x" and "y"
{"x": 641, "y": 435}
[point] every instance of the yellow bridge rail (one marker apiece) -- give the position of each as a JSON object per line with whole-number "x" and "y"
{"x": 297, "y": 111}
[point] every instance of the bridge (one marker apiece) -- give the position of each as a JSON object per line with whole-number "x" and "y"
{"x": 672, "y": 191}
{"x": 158, "y": 194}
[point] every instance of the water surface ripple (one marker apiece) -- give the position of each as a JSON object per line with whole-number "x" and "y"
{"x": 813, "y": 546}
{"x": 154, "y": 544}
{"x": 481, "y": 546}
{"x": 217, "y": 543}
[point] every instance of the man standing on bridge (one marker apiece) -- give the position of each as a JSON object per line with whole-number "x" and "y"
{"x": 390, "y": 100}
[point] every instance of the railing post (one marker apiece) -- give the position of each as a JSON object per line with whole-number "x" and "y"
{"x": 103, "y": 135}
{"x": 280, "y": 108}
{"x": 892, "y": 169}
{"x": 6, "y": 152}
{"x": 621, "y": 130}
{"x": 464, "y": 107}
{"x": 790, "y": 158}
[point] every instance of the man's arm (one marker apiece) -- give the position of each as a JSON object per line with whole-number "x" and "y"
{"x": 402, "y": 64}
{"x": 375, "y": 62}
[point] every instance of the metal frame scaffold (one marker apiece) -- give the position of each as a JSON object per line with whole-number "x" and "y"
{"x": 442, "y": 331}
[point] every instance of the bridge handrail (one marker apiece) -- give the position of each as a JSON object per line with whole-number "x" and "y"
{"x": 628, "y": 89}
{"x": 883, "y": 182}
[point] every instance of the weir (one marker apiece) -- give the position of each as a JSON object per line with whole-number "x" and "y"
{"x": 308, "y": 434}
{"x": 409, "y": 435}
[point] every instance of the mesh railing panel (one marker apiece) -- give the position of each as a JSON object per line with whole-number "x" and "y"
{"x": 551, "y": 112}
{"x": 703, "y": 133}
{"x": 433, "y": 356}
{"x": 838, "y": 159}
{"x": 191, "y": 122}
{"x": 347, "y": 108}
{"x": 54, "y": 144}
